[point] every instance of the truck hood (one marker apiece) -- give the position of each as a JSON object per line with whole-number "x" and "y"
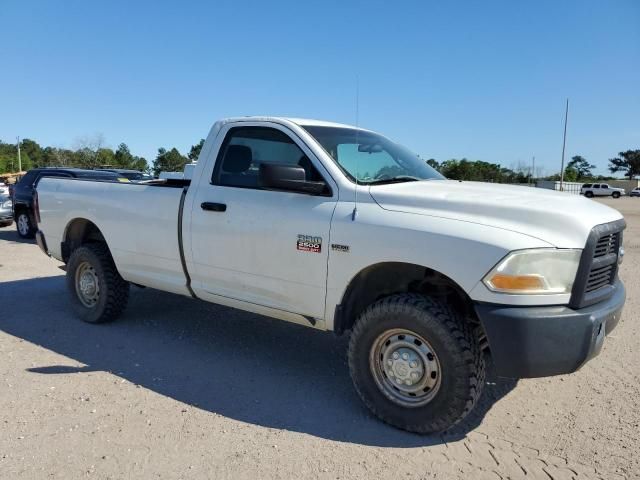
{"x": 561, "y": 219}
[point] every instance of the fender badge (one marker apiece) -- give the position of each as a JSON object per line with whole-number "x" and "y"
{"x": 340, "y": 248}
{"x": 309, "y": 243}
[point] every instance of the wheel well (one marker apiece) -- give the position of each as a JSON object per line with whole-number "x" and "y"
{"x": 18, "y": 209}
{"x": 79, "y": 232}
{"x": 384, "y": 279}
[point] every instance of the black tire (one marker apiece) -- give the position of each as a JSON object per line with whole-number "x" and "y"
{"x": 615, "y": 194}
{"x": 588, "y": 194}
{"x": 6, "y": 224}
{"x": 113, "y": 290}
{"x": 454, "y": 344}
{"x": 24, "y": 225}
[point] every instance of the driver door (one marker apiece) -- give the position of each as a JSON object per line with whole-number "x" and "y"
{"x": 251, "y": 244}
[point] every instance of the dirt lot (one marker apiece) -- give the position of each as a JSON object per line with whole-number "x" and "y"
{"x": 183, "y": 389}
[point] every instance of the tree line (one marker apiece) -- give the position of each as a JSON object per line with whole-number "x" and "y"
{"x": 480, "y": 171}
{"x": 577, "y": 170}
{"x": 91, "y": 153}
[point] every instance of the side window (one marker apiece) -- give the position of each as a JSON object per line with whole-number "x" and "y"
{"x": 586, "y": 185}
{"x": 246, "y": 148}
{"x": 51, "y": 174}
{"x": 604, "y": 185}
{"x": 596, "y": 185}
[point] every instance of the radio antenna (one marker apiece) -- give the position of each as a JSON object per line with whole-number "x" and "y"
{"x": 355, "y": 203}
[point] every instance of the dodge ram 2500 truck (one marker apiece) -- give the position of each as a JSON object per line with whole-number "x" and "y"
{"x": 340, "y": 229}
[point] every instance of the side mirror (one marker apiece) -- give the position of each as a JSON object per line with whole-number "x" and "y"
{"x": 288, "y": 177}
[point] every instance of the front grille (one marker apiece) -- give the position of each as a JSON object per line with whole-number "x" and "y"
{"x": 599, "y": 277}
{"x": 607, "y": 244}
{"x": 598, "y": 270}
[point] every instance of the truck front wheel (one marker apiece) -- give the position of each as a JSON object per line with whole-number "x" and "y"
{"x": 416, "y": 363}
{"x": 98, "y": 292}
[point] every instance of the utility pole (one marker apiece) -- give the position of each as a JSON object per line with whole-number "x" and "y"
{"x": 19, "y": 158}
{"x": 533, "y": 170}
{"x": 564, "y": 142}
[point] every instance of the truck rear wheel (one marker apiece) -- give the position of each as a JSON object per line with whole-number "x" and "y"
{"x": 615, "y": 194}
{"x": 98, "y": 292}
{"x": 588, "y": 194}
{"x": 416, "y": 363}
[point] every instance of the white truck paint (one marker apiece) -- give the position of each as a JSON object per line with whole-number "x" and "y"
{"x": 247, "y": 256}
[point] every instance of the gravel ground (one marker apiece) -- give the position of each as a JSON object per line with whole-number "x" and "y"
{"x": 182, "y": 389}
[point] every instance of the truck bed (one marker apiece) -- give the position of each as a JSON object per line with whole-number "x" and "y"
{"x": 139, "y": 222}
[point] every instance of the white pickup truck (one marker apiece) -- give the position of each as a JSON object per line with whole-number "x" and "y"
{"x": 340, "y": 229}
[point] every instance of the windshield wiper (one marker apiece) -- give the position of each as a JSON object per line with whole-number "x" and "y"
{"x": 396, "y": 179}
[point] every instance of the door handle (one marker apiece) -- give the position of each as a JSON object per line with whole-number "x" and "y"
{"x": 213, "y": 207}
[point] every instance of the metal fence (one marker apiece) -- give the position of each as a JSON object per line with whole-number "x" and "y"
{"x": 568, "y": 187}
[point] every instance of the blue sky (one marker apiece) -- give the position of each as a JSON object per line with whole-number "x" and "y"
{"x": 478, "y": 79}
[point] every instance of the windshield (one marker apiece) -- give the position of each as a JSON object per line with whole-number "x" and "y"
{"x": 371, "y": 158}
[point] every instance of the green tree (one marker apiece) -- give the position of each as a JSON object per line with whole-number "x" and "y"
{"x": 195, "y": 150}
{"x": 57, "y": 157}
{"x": 582, "y": 168}
{"x": 481, "y": 171}
{"x": 84, "y": 158}
{"x": 89, "y": 153}
{"x": 140, "y": 164}
{"x": 627, "y": 162}
{"x": 432, "y": 162}
{"x": 571, "y": 174}
{"x": 9, "y": 158}
{"x": 124, "y": 159}
{"x": 105, "y": 157}
{"x": 169, "y": 161}
{"x": 33, "y": 151}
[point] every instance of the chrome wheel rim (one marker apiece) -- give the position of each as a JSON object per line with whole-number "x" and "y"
{"x": 405, "y": 367}
{"x": 23, "y": 224}
{"x": 87, "y": 285}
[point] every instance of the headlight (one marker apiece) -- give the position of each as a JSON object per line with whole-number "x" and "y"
{"x": 539, "y": 271}
{"x": 8, "y": 204}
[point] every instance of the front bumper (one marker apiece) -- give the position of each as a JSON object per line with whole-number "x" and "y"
{"x": 544, "y": 341}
